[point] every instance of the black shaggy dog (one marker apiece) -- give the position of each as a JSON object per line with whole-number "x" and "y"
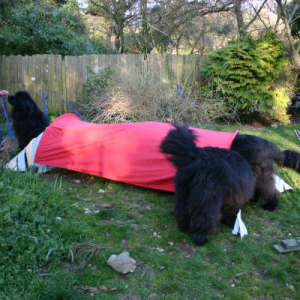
{"x": 261, "y": 155}
{"x": 211, "y": 184}
{"x": 205, "y": 174}
{"x": 28, "y": 120}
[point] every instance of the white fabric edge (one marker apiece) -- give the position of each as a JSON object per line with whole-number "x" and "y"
{"x": 239, "y": 226}
{"x": 18, "y": 163}
{"x": 280, "y": 184}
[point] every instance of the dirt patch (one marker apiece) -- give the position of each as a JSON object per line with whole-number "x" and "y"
{"x": 187, "y": 248}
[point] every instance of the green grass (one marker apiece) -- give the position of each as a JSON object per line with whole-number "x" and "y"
{"x": 35, "y": 261}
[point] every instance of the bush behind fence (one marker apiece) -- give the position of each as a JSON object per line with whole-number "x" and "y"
{"x": 64, "y": 78}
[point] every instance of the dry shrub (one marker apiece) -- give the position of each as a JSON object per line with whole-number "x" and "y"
{"x": 143, "y": 97}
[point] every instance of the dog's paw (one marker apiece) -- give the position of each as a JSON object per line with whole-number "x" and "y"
{"x": 229, "y": 220}
{"x": 271, "y": 205}
{"x": 199, "y": 239}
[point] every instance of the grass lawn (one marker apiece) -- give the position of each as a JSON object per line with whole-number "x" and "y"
{"x": 41, "y": 216}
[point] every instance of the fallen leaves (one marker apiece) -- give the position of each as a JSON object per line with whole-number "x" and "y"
{"x": 92, "y": 290}
{"x": 238, "y": 275}
{"x": 103, "y": 205}
{"x": 105, "y": 289}
{"x": 242, "y": 274}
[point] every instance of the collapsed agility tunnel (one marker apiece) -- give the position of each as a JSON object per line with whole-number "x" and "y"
{"x": 124, "y": 152}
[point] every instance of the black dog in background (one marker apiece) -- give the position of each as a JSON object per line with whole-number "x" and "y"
{"x": 28, "y": 120}
{"x": 211, "y": 184}
{"x": 261, "y": 155}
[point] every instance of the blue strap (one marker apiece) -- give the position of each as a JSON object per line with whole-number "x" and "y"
{"x": 179, "y": 92}
{"x": 6, "y": 119}
{"x": 181, "y": 98}
{"x": 45, "y": 104}
{"x": 113, "y": 115}
{"x": 76, "y": 111}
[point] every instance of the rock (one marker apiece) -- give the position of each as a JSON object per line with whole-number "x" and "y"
{"x": 122, "y": 263}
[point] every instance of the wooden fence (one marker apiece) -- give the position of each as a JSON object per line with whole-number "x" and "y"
{"x": 64, "y": 78}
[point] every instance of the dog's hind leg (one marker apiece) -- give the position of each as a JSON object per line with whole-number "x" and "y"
{"x": 181, "y": 209}
{"x": 233, "y": 203}
{"x": 265, "y": 188}
{"x": 205, "y": 209}
{"x": 271, "y": 204}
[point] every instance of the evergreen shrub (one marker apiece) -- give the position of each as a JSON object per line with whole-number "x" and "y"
{"x": 245, "y": 74}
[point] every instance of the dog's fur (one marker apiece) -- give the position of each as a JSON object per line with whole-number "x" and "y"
{"x": 28, "y": 120}
{"x": 211, "y": 184}
{"x": 261, "y": 155}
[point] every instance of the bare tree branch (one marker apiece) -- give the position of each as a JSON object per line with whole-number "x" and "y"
{"x": 256, "y": 14}
{"x": 294, "y": 53}
{"x": 291, "y": 17}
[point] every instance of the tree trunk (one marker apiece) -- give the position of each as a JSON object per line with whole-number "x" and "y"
{"x": 239, "y": 17}
{"x": 121, "y": 41}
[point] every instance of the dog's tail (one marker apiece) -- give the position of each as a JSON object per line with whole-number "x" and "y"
{"x": 287, "y": 158}
{"x": 179, "y": 142}
{"x": 291, "y": 160}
